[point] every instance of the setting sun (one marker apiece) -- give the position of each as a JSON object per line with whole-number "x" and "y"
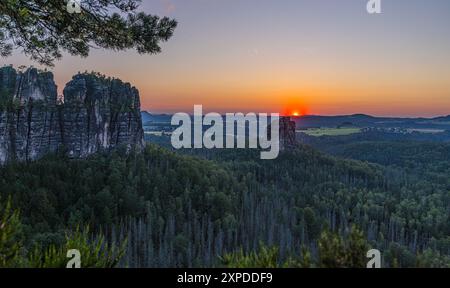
{"x": 297, "y": 110}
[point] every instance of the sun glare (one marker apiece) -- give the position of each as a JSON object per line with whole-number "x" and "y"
{"x": 295, "y": 108}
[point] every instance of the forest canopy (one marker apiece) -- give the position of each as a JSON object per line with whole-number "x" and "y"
{"x": 176, "y": 210}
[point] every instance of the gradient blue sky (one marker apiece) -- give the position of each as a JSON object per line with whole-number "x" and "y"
{"x": 311, "y": 56}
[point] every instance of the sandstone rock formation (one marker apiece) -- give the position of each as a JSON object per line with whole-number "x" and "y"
{"x": 98, "y": 114}
{"x": 287, "y": 133}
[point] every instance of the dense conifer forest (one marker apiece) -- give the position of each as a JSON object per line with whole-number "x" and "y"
{"x": 228, "y": 208}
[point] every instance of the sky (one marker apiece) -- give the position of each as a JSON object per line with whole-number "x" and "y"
{"x": 324, "y": 57}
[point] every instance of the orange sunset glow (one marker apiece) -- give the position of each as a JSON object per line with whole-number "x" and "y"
{"x": 318, "y": 61}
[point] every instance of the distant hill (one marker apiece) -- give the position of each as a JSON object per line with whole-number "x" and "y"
{"x": 362, "y": 120}
{"x": 147, "y": 118}
{"x": 354, "y": 120}
{"x": 442, "y": 119}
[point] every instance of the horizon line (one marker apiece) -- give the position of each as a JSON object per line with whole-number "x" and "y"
{"x": 316, "y": 115}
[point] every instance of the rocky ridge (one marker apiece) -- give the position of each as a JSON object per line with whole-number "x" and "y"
{"x": 95, "y": 114}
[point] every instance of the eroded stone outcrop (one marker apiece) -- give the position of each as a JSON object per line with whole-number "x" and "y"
{"x": 28, "y": 115}
{"x": 98, "y": 113}
{"x": 287, "y": 133}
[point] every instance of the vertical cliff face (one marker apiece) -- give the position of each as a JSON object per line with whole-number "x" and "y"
{"x": 100, "y": 113}
{"x": 97, "y": 114}
{"x": 287, "y": 133}
{"x": 28, "y": 115}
